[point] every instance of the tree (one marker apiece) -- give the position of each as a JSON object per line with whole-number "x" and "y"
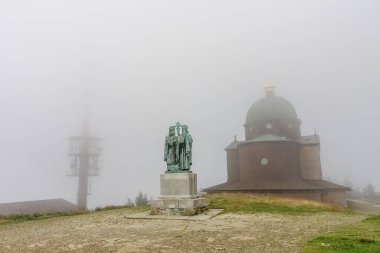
{"x": 141, "y": 199}
{"x": 348, "y": 183}
{"x": 369, "y": 191}
{"x": 130, "y": 202}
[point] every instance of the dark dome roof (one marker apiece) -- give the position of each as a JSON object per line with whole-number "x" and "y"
{"x": 271, "y": 108}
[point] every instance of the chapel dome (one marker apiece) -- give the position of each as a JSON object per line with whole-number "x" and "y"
{"x": 271, "y": 107}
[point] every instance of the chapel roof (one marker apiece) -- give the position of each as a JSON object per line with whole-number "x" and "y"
{"x": 271, "y": 107}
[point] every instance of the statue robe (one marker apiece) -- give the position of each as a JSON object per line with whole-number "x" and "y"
{"x": 170, "y": 152}
{"x": 186, "y": 152}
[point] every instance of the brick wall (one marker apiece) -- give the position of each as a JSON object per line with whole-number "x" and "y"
{"x": 233, "y": 169}
{"x": 310, "y": 162}
{"x": 282, "y": 161}
{"x": 335, "y": 197}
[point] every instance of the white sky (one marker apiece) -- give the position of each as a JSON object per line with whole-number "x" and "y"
{"x": 148, "y": 64}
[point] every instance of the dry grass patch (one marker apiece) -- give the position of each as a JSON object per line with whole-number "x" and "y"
{"x": 253, "y": 203}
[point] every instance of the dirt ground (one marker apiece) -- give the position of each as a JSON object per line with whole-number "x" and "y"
{"x": 111, "y": 231}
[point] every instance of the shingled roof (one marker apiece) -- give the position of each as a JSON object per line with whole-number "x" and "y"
{"x": 262, "y": 138}
{"x": 310, "y": 140}
{"x": 276, "y": 185}
{"x": 37, "y": 206}
{"x": 233, "y": 145}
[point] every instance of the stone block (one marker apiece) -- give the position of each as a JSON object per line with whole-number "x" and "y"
{"x": 178, "y": 195}
{"x": 178, "y": 185}
{"x": 171, "y": 203}
{"x": 191, "y": 203}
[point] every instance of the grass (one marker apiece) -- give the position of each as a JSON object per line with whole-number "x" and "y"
{"x": 373, "y": 220}
{"x": 250, "y": 203}
{"x": 132, "y": 208}
{"x": 30, "y": 217}
{"x": 106, "y": 208}
{"x": 363, "y": 238}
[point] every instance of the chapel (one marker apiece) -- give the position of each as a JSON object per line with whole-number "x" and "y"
{"x": 275, "y": 159}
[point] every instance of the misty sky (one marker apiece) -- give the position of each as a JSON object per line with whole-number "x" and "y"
{"x": 144, "y": 65}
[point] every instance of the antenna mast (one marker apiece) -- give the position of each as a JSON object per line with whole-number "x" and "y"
{"x": 84, "y": 152}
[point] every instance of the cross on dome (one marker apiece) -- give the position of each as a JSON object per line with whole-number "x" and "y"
{"x": 269, "y": 89}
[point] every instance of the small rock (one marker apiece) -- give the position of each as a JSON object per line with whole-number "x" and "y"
{"x": 130, "y": 249}
{"x": 41, "y": 244}
{"x": 243, "y": 238}
{"x": 210, "y": 239}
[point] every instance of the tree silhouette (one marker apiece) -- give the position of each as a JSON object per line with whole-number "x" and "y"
{"x": 141, "y": 199}
{"x": 369, "y": 190}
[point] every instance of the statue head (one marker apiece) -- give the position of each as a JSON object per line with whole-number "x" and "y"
{"x": 171, "y": 131}
{"x": 185, "y": 129}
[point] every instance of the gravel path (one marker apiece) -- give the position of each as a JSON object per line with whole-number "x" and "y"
{"x": 110, "y": 231}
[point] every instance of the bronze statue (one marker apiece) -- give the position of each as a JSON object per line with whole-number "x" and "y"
{"x": 186, "y": 149}
{"x": 170, "y": 156}
{"x": 178, "y": 149}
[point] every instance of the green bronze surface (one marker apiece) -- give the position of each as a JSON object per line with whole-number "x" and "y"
{"x": 178, "y": 149}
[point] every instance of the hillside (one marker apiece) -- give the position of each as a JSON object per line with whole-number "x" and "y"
{"x": 249, "y": 224}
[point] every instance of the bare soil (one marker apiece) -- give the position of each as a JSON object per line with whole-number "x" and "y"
{"x": 111, "y": 231}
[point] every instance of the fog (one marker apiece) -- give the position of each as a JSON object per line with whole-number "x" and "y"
{"x": 141, "y": 66}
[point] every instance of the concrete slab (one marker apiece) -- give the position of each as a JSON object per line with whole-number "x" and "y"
{"x": 200, "y": 217}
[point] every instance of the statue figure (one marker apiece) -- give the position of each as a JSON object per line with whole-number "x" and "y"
{"x": 186, "y": 149}
{"x": 170, "y": 154}
{"x": 178, "y": 149}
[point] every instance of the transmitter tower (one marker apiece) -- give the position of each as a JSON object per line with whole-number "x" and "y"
{"x": 84, "y": 151}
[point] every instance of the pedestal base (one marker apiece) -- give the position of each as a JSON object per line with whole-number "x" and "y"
{"x": 178, "y": 203}
{"x": 178, "y": 195}
{"x": 178, "y": 185}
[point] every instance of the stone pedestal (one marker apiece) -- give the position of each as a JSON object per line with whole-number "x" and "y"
{"x": 178, "y": 194}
